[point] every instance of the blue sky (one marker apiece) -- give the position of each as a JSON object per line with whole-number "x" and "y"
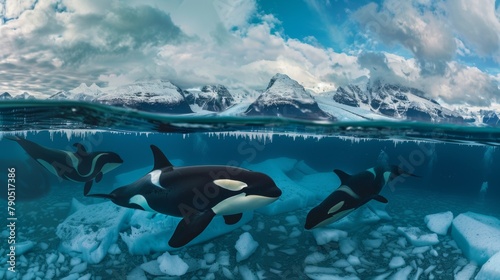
{"x": 448, "y": 48}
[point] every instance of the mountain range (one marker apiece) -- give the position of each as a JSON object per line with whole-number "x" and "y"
{"x": 283, "y": 97}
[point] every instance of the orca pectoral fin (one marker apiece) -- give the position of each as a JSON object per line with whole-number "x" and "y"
{"x": 98, "y": 178}
{"x": 344, "y": 177}
{"x": 232, "y": 219}
{"x": 190, "y": 227}
{"x": 86, "y": 188}
{"x": 380, "y": 198}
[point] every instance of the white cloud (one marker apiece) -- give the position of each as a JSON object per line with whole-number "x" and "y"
{"x": 478, "y": 24}
{"x": 58, "y": 45}
{"x": 14, "y": 8}
{"x": 419, "y": 28}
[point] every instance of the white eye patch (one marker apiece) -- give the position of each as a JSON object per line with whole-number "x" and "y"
{"x": 232, "y": 185}
{"x": 336, "y": 207}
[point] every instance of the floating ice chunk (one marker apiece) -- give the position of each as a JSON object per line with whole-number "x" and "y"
{"x": 467, "y": 272}
{"x": 51, "y": 258}
{"x": 137, "y": 274}
{"x": 477, "y": 236}
{"x": 75, "y": 261}
{"x": 73, "y": 276}
{"x": 44, "y": 246}
{"x": 289, "y": 251}
{"x": 23, "y": 247}
{"x": 439, "y": 223}
{"x": 315, "y": 258}
{"x": 245, "y": 246}
{"x": 491, "y": 269}
{"x": 402, "y": 242}
{"x": 92, "y": 229}
{"x": 396, "y": 262}
{"x": 382, "y": 276}
{"x": 246, "y": 273}
{"x": 372, "y": 243}
{"x": 151, "y": 233}
{"x": 318, "y": 272}
{"x": 152, "y": 267}
{"x": 418, "y": 273}
{"x": 172, "y": 265}
{"x": 417, "y": 237}
{"x": 326, "y": 235}
{"x": 353, "y": 260}
{"x": 79, "y": 268}
{"x": 347, "y": 245}
{"x": 341, "y": 263}
{"x": 292, "y": 220}
{"x": 114, "y": 249}
{"x": 209, "y": 258}
{"x": 403, "y": 273}
{"x": 85, "y": 277}
{"x": 420, "y": 250}
{"x": 227, "y": 273}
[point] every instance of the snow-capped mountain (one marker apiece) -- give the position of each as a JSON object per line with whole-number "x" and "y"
{"x": 24, "y": 96}
{"x": 81, "y": 93}
{"x": 5, "y": 96}
{"x": 282, "y": 97}
{"x": 286, "y": 97}
{"x": 399, "y": 102}
{"x": 215, "y": 98}
{"x": 152, "y": 96}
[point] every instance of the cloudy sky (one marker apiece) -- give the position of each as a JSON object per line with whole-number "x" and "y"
{"x": 450, "y": 49}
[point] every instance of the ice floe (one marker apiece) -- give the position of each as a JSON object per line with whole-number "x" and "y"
{"x": 90, "y": 231}
{"x": 491, "y": 269}
{"x": 172, "y": 265}
{"x": 245, "y": 246}
{"x": 477, "y": 235}
{"x": 150, "y": 232}
{"x": 439, "y": 223}
{"x": 417, "y": 237}
{"x": 326, "y": 235}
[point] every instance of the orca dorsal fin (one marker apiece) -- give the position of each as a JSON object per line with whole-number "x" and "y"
{"x": 160, "y": 160}
{"x": 80, "y": 149}
{"x": 344, "y": 177}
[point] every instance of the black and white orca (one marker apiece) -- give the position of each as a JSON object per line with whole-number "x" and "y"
{"x": 79, "y": 166}
{"x": 354, "y": 191}
{"x": 195, "y": 193}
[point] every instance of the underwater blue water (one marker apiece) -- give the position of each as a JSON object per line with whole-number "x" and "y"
{"x": 453, "y": 164}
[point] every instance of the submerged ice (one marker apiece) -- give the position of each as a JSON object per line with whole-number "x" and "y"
{"x": 270, "y": 242}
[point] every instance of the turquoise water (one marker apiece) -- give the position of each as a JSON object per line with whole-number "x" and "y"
{"x": 453, "y": 163}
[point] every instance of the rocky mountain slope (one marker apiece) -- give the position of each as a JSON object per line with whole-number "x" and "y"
{"x": 286, "y": 97}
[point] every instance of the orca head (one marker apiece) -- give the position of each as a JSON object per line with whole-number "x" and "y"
{"x": 396, "y": 171}
{"x": 322, "y": 214}
{"x": 260, "y": 184}
{"x": 111, "y": 161}
{"x": 121, "y": 196}
{"x": 252, "y": 190}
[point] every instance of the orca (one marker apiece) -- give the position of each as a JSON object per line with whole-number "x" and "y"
{"x": 195, "y": 193}
{"x": 80, "y": 166}
{"x": 353, "y": 192}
